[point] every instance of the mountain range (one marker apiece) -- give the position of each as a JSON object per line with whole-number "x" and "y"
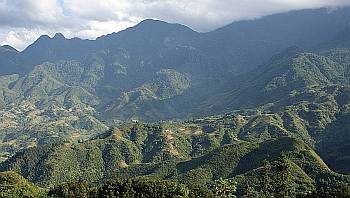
{"x": 163, "y": 101}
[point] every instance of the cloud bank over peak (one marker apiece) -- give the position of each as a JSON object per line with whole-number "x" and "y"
{"x": 23, "y": 21}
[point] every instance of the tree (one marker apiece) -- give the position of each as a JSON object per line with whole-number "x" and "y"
{"x": 73, "y": 189}
{"x": 266, "y": 179}
{"x": 285, "y": 184}
{"x": 142, "y": 187}
{"x": 342, "y": 190}
{"x": 249, "y": 192}
{"x": 225, "y": 188}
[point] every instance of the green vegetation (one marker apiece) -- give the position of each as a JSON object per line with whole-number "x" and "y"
{"x": 13, "y": 185}
{"x": 241, "y": 161}
{"x": 225, "y": 188}
{"x": 159, "y": 110}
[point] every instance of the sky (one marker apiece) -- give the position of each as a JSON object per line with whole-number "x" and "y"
{"x": 23, "y": 21}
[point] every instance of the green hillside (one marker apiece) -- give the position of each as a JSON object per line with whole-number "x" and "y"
{"x": 160, "y": 110}
{"x": 13, "y": 185}
{"x": 101, "y": 159}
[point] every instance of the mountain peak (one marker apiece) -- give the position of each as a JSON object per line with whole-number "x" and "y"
{"x": 152, "y": 21}
{"x": 9, "y": 48}
{"x": 154, "y": 24}
{"x": 42, "y": 37}
{"x": 59, "y": 36}
{"x": 151, "y": 24}
{"x": 45, "y": 39}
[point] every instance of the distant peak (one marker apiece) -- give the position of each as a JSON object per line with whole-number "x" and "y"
{"x": 59, "y": 36}
{"x": 8, "y": 47}
{"x": 45, "y": 40}
{"x": 156, "y": 23}
{"x": 151, "y": 22}
{"x": 43, "y": 37}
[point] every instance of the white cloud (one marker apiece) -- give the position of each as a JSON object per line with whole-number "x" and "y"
{"x": 29, "y": 13}
{"x": 97, "y": 10}
{"x": 19, "y": 37}
{"x": 95, "y": 29}
{"x": 22, "y": 21}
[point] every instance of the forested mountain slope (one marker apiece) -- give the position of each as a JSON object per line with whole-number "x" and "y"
{"x": 162, "y": 101}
